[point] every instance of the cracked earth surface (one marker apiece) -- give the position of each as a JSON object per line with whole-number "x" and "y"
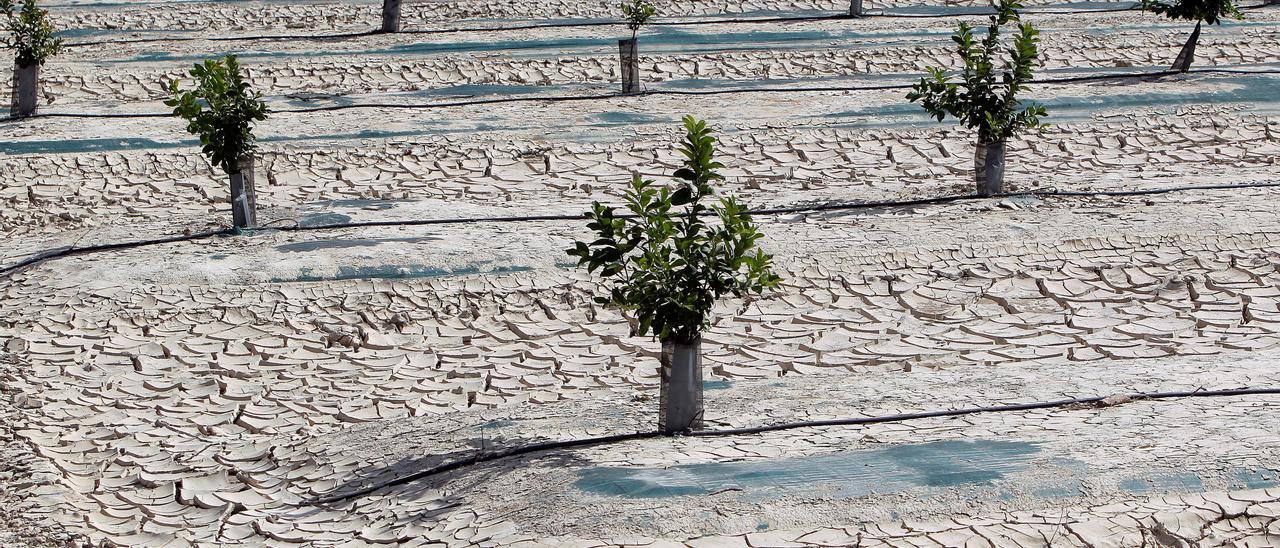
{"x": 212, "y": 392}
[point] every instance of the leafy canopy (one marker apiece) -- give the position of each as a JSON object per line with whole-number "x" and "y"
{"x": 637, "y": 13}
{"x": 221, "y": 110}
{"x": 28, "y": 31}
{"x": 986, "y": 97}
{"x": 1209, "y": 11}
{"x": 667, "y": 264}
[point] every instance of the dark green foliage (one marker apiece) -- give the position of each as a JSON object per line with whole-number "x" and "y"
{"x": 1209, "y": 11}
{"x": 221, "y": 110}
{"x": 986, "y": 97}
{"x": 667, "y": 264}
{"x": 637, "y": 13}
{"x": 28, "y": 31}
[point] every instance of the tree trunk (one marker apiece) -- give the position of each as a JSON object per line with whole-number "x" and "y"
{"x": 988, "y": 168}
{"x": 244, "y": 201}
{"x": 1188, "y": 53}
{"x": 855, "y": 8}
{"x": 391, "y": 15}
{"x": 26, "y": 86}
{"x": 630, "y": 60}
{"x": 680, "y": 398}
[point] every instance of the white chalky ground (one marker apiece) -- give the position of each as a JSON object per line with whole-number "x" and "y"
{"x": 219, "y": 391}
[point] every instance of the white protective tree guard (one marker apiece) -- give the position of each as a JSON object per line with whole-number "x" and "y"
{"x": 680, "y": 398}
{"x": 630, "y": 63}
{"x": 391, "y": 15}
{"x": 988, "y": 168}
{"x": 26, "y": 87}
{"x": 244, "y": 200}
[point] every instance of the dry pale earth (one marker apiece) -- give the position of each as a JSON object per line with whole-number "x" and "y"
{"x": 274, "y": 388}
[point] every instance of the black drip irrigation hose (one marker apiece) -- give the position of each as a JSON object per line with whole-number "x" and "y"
{"x": 481, "y": 458}
{"x": 836, "y": 206}
{"x": 579, "y": 217}
{"x": 73, "y": 250}
{"x": 589, "y": 24}
{"x": 814, "y": 208}
{"x": 660, "y": 92}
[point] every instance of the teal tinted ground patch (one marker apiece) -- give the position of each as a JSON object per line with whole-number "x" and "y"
{"x": 1259, "y": 94}
{"x": 617, "y": 118}
{"x": 74, "y": 34}
{"x": 346, "y": 243}
{"x": 323, "y": 219}
{"x": 1163, "y": 483}
{"x": 1256, "y": 478}
{"x": 658, "y": 39}
{"x": 361, "y": 203}
{"x": 66, "y": 146}
{"x": 959, "y": 11}
{"x": 1191, "y": 482}
{"x": 898, "y": 468}
{"x": 394, "y": 272}
{"x": 666, "y": 40}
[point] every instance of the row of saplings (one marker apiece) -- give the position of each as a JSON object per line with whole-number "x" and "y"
{"x": 988, "y": 105}
{"x": 668, "y": 264}
{"x": 30, "y": 33}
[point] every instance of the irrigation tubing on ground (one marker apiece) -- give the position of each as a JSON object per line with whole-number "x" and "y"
{"x": 836, "y": 206}
{"x": 670, "y": 92}
{"x": 578, "y": 217}
{"x": 812, "y": 208}
{"x": 484, "y": 457}
{"x": 74, "y": 250}
{"x": 587, "y": 24}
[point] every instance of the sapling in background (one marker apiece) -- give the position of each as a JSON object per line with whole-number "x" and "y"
{"x": 637, "y": 14}
{"x": 985, "y": 97}
{"x": 28, "y": 32}
{"x": 669, "y": 265}
{"x": 391, "y": 15}
{"x": 1200, "y": 11}
{"x": 221, "y": 110}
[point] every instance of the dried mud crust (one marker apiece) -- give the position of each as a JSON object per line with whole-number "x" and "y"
{"x": 58, "y": 193}
{"x": 207, "y": 392}
{"x": 388, "y": 63}
{"x": 69, "y": 85}
{"x": 229, "y": 386}
{"x": 30, "y": 489}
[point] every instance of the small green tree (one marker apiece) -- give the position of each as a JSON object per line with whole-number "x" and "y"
{"x": 979, "y": 100}
{"x": 1200, "y": 11}
{"x": 637, "y": 13}
{"x": 29, "y": 32}
{"x": 221, "y": 110}
{"x": 986, "y": 97}
{"x": 668, "y": 265}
